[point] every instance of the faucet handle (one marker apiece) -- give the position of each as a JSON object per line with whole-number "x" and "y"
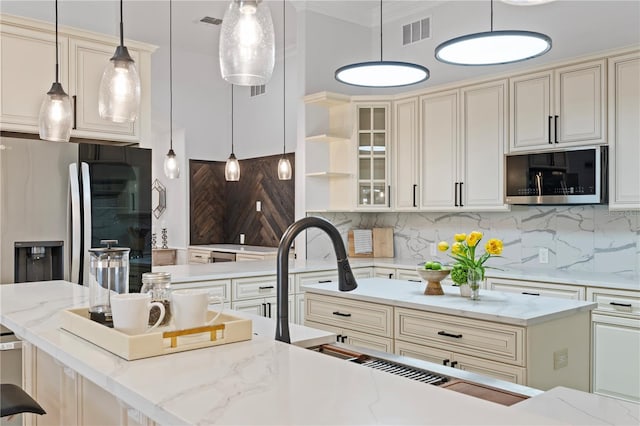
{"x": 346, "y": 280}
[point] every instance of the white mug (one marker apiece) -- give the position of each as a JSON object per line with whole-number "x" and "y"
{"x": 189, "y": 308}
{"x": 131, "y": 312}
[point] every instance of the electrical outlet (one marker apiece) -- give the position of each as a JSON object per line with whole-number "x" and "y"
{"x": 432, "y": 249}
{"x": 258, "y": 206}
{"x": 241, "y": 238}
{"x": 543, "y": 255}
{"x": 561, "y": 359}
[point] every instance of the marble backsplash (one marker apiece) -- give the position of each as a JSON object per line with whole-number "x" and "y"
{"x": 579, "y": 238}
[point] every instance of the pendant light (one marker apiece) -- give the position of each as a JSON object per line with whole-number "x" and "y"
{"x": 232, "y": 167}
{"x": 247, "y": 43}
{"x": 493, "y": 47}
{"x": 526, "y": 2}
{"x": 171, "y": 169}
{"x": 54, "y": 121}
{"x": 284, "y": 165}
{"x": 382, "y": 73}
{"x": 119, "y": 94}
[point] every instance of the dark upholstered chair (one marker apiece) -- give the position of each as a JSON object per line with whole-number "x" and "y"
{"x": 14, "y": 400}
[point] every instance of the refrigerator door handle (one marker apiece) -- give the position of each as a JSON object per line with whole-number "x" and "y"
{"x": 86, "y": 221}
{"x": 76, "y": 223}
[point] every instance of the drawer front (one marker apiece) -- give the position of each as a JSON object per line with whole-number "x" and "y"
{"x": 619, "y": 302}
{"x": 355, "y": 338}
{"x": 536, "y": 289}
{"x": 408, "y": 274}
{"x": 250, "y": 288}
{"x": 241, "y": 257}
{"x": 485, "y": 339}
{"x": 199, "y": 256}
{"x": 497, "y": 370}
{"x": 359, "y": 316}
{"x": 306, "y": 278}
{"x": 425, "y": 353}
{"x": 220, "y": 288}
{"x": 362, "y": 272}
{"x": 265, "y": 307}
{"x": 384, "y": 273}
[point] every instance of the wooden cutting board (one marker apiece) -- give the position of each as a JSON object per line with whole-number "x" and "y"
{"x": 382, "y": 244}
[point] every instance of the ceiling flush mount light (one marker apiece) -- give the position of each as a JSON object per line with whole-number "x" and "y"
{"x": 119, "y": 95}
{"x": 247, "y": 46}
{"x": 493, "y": 47}
{"x": 54, "y": 120}
{"x": 232, "y": 167}
{"x": 171, "y": 169}
{"x": 526, "y": 2}
{"x": 284, "y": 165}
{"x": 382, "y": 73}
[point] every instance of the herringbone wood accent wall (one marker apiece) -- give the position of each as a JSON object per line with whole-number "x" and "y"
{"x": 232, "y": 209}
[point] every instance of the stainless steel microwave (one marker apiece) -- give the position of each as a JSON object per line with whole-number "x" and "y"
{"x": 568, "y": 176}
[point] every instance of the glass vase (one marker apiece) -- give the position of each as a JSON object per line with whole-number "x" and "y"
{"x": 474, "y": 279}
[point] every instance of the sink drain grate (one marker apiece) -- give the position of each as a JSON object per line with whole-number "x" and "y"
{"x": 401, "y": 370}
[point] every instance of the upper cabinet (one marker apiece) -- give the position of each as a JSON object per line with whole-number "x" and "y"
{"x": 372, "y": 137}
{"x": 624, "y": 132}
{"x": 28, "y": 69}
{"x": 406, "y": 153}
{"x": 564, "y": 106}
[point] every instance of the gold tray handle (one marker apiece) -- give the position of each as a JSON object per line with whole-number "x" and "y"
{"x": 173, "y": 335}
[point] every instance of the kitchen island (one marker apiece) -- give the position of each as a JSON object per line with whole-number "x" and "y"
{"x": 260, "y": 381}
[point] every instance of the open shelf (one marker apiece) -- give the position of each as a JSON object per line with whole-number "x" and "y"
{"x": 326, "y": 99}
{"x": 326, "y": 138}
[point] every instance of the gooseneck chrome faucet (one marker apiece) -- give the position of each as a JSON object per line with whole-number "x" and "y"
{"x": 346, "y": 280}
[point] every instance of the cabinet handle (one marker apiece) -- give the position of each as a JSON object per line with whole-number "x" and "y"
{"x": 455, "y": 194}
{"x": 343, "y": 338}
{"x": 414, "y": 195}
{"x": 445, "y": 362}
{"x": 388, "y": 195}
{"x": 264, "y": 309}
{"x": 555, "y": 128}
{"x": 338, "y": 337}
{"x": 444, "y": 333}
{"x": 340, "y": 314}
{"x": 550, "y": 119}
{"x": 414, "y": 281}
{"x": 265, "y": 287}
{"x": 453, "y": 364}
{"x": 198, "y": 256}
{"x": 390, "y": 276}
{"x": 625, "y": 305}
{"x": 531, "y": 294}
{"x": 75, "y": 116}
{"x": 461, "y": 205}
{"x": 324, "y": 281}
{"x": 269, "y": 307}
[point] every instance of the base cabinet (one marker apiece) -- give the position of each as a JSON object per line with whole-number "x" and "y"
{"x": 355, "y": 338}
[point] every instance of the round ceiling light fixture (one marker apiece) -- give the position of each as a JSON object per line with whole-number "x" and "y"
{"x": 493, "y": 47}
{"x": 382, "y": 73}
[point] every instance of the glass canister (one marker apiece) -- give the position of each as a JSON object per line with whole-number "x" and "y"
{"x": 158, "y": 285}
{"x": 108, "y": 272}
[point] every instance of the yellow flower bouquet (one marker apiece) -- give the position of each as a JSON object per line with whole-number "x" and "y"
{"x": 468, "y": 268}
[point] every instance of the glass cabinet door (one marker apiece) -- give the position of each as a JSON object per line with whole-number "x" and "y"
{"x": 372, "y": 156}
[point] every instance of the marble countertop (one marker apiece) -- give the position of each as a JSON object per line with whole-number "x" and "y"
{"x": 237, "y": 248}
{"x": 507, "y": 308}
{"x": 261, "y": 381}
{"x": 579, "y": 408}
{"x": 212, "y": 271}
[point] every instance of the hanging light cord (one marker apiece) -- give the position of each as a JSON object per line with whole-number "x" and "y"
{"x": 170, "y": 79}
{"x": 121, "y": 26}
{"x": 284, "y": 81}
{"x": 491, "y": 15}
{"x": 381, "y": 30}
{"x": 232, "y": 119}
{"x": 57, "y": 64}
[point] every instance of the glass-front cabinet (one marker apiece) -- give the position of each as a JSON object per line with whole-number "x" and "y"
{"x": 373, "y": 155}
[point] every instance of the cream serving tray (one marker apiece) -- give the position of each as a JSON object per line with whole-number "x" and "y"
{"x": 162, "y": 341}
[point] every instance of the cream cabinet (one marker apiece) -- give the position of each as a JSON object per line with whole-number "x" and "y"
{"x": 356, "y": 338}
{"x": 540, "y": 355}
{"x": 564, "y": 106}
{"x": 624, "y": 132}
{"x": 534, "y": 288}
{"x": 616, "y": 343}
{"x": 265, "y": 306}
{"x": 373, "y": 134}
{"x": 463, "y": 135}
{"x": 379, "y": 272}
{"x": 199, "y": 255}
{"x": 28, "y": 58}
{"x": 406, "y": 154}
{"x": 218, "y": 288}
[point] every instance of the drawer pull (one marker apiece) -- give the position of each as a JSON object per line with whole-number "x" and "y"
{"x": 340, "y": 314}
{"x": 444, "y": 333}
{"x": 453, "y": 364}
{"x": 343, "y": 339}
{"x": 265, "y": 287}
{"x": 531, "y": 294}
{"x": 415, "y": 281}
{"x": 625, "y": 305}
{"x": 445, "y": 362}
{"x": 338, "y": 337}
{"x": 198, "y": 256}
{"x": 324, "y": 281}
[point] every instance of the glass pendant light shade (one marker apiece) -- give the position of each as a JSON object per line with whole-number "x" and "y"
{"x": 284, "y": 169}
{"x": 119, "y": 95}
{"x": 247, "y": 43}
{"x": 232, "y": 169}
{"x": 171, "y": 169}
{"x": 493, "y": 48}
{"x": 55, "y": 118}
{"x": 382, "y": 74}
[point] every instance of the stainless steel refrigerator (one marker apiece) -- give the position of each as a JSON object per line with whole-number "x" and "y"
{"x": 66, "y": 198}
